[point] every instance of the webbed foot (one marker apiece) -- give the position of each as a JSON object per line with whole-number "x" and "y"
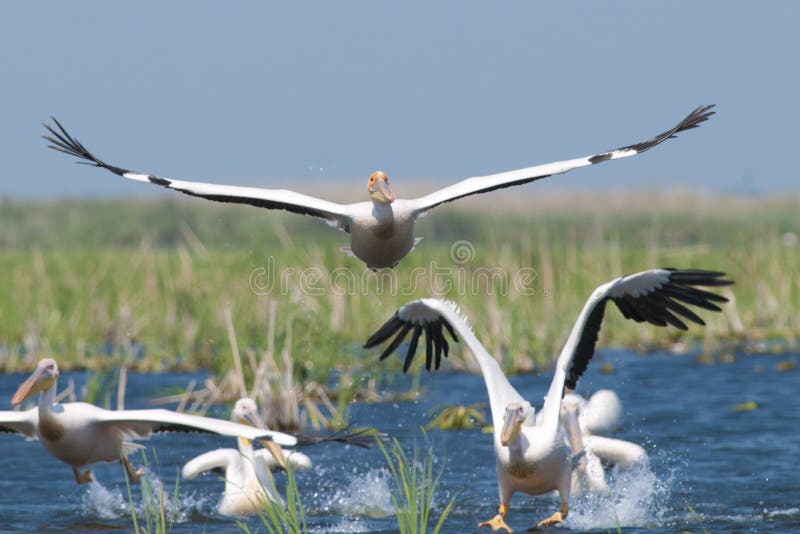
{"x": 497, "y": 523}
{"x": 133, "y": 476}
{"x": 83, "y": 477}
{"x": 555, "y": 519}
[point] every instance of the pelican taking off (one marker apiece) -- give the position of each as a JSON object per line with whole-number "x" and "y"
{"x": 248, "y": 479}
{"x": 80, "y": 434}
{"x": 381, "y": 229}
{"x": 533, "y": 455}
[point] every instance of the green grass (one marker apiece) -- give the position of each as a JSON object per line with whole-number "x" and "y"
{"x": 146, "y": 283}
{"x": 158, "y": 511}
{"x": 414, "y": 494}
{"x": 279, "y": 519}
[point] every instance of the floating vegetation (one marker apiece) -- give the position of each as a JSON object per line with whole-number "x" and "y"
{"x": 748, "y": 406}
{"x": 457, "y": 417}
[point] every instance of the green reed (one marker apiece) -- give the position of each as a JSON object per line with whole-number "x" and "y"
{"x": 415, "y": 488}
{"x": 147, "y": 283}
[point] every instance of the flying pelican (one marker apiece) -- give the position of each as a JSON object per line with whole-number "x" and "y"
{"x": 248, "y": 479}
{"x": 587, "y": 425}
{"x": 534, "y": 457}
{"x": 80, "y": 434}
{"x": 381, "y": 229}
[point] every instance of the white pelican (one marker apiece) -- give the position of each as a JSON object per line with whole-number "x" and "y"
{"x": 381, "y": 229}
{"x": 534, "y": 457}
{"x": 80, "y": 434}
{"x": 587, "y": 425}
{"x": 248, "y": 481}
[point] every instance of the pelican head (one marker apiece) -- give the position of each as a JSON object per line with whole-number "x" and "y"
{"x": 379, "y": 189}
{"x": 42, "y": 379}
{"x": 245, "y": 412}
{"x": 515, "y": 415}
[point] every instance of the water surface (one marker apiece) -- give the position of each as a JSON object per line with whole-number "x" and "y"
{"x": 736, "y": 469}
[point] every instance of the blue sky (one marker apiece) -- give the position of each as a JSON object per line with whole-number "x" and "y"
{"x": 259, "y": 94}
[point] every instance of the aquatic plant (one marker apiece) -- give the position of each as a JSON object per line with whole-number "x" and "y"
{"x": 415, "y": 488}
{"x": 158, "y": 511}
{"x": 457, "y": 418}
{"x": 278, "y": 518}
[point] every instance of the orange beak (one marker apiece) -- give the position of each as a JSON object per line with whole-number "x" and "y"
{"x": 386, "y": 190}
{"x": 32, "y": 385}
{"x": 511, "y": 427}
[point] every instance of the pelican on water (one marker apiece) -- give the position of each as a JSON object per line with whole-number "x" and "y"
{"x": 533, "y": 456}
{"x": 80, "y": 434}
{"x": 248, "y": 479}
{"x": 381, "y": 229}
{"x": 587, "y": 427}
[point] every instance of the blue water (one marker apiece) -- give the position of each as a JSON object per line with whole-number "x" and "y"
{"x": 736, "y": 469}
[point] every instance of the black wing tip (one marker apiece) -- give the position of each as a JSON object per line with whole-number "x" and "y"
{"x": 700, "y": 277}
{"x": 698, "y": 115}
{"x": 435, "y": 341}
{"x": 62, "y": 141}
{"x": 159, "y": 181}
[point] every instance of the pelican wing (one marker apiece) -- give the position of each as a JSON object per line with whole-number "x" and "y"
{"x": 23, "y": 423}
{"x": 484, "y": 184}
{"x": 279, "y": 199}
{"x": 142, "y": 423}
{"x": 615, "y": 451}
{"x": 658, "y": 296}
{"x": 295, "y": 459}
{"x": 433, "y": 318}
{"x": 218, "y": 459}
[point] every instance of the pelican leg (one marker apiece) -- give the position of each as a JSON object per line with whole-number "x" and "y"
{"x": 556, "y": 518}
{"x": 133, "y": 476}
{"x": 83, "y": 478}
{"x": 498, "y": 521}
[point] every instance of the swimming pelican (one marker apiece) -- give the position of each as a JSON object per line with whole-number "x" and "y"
{"x": 381, "y": 229}
{"x": 248, "y": 479}
{"x": 533, "y": 457}
{"x": 80, "y": 434}
{"x": 587, "y": 425}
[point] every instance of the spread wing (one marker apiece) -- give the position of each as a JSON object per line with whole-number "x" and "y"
{"x": 658, "y": 296}
{"x": 484, "y": 184}
{"x": 434, "y": 317}
{"x": 23, "y": 423}
{"x": 280, "y": 199}
{"x": 142, "y": 423}
{"x": 218, "y": 459}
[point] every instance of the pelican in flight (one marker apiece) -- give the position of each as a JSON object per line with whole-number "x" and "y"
{"x": 587, "y": 426}
{"x": 533, "y": 456}
{"x": 80, "y": 434}
{"x": 248, "y": 479}
{"x": 382, "y": 228}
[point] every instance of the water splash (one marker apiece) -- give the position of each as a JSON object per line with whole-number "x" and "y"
{"x": 105, "y": 503}
{"x": 635, "y": 497}
{"x": 367, "y": 494}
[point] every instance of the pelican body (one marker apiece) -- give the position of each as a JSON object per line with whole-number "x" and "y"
{"x": 248, "y": 480}
{"x": 533, "y": 455}
{"x": 381, "y": 229}
{"x": 80, "y": 434}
